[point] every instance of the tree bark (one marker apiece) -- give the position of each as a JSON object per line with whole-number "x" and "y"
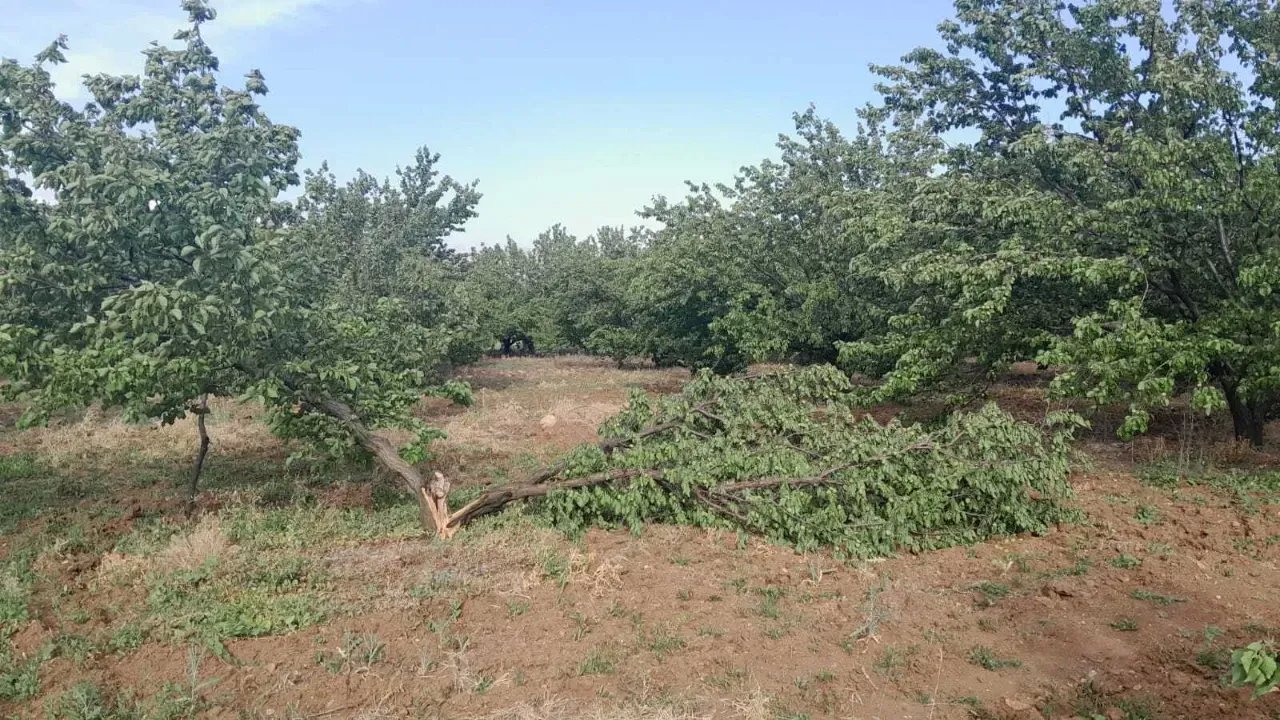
{"x": 193, "y": 483}
{"x": 1248, "y": 418}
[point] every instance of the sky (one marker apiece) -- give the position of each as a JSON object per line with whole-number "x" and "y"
{"x": 567, "y": 111}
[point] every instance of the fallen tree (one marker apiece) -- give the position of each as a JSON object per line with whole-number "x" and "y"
{"x": 794, "y": 458}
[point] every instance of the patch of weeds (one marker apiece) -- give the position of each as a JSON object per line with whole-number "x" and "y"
{"x": 1160, "y": 550}
{"x": 990, "y": 593}
{"x": 455, "y": 611}
{"x": 1157, "y": 598}
{"x": 1018, "y": 562}
{"x": 86, "y": 701}
{"x": 516, "y": 608}
{"x": 1214, "y": 658}
{"x": 126, "y": 637}
{"x": 662, "y": 642}
{"x": 183, "y": 700}
{"x": 684, "y": 595}
{"x": 597, "y": 662}
{"x": 556, "y": 566}
{"x": 483, "y": 684}
{"x": 1211, "y": 656}
{"x": 20, "y": 677}
{"x": 357, "y": 653}
{"x": 1125, "y": 562}
{"x": 769, "y": 597}
{"x": 872, "y": 614}
{"x": 707, "y": 631}
{"x": 680, "y": 560}
{"x": 1125, "y": 625}
{"x": 16, "y": 578}
{"x": 984, "y": 657}
{"x": 732, "y": 677}
{"x": 1080, "y": 567}
{"x": 1090, "y": 702}
{"x": 249, "y": 596}
{"x": 890, "y": 662}
{"x": 776, "y": 632}
{"x": 1147, "y": 515}
{"x": 77, "y": 648}
{"x": 738, "y": 585}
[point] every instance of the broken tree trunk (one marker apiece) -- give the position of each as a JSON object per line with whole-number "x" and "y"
{"x": 433, "y": 511}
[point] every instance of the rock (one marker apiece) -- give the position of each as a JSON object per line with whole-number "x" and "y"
{"x": 548, "y": 421}
{"x": 1115, "y": 713}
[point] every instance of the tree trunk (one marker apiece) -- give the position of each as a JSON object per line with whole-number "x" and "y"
{"x": 430, "y": 495}
{"x": 193, "y": 484}
{"x": 1247, "y": 417}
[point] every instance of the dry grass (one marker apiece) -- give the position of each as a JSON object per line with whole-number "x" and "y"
{"x": 93, "y": 434}
{"x": 185, "y": 551}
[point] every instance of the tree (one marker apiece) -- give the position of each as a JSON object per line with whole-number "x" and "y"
{"x": 163, "y": 270}
{"x": 376, "y": 240}
{"x": 769, "y": 268}
{"x": 1112, "y": 203}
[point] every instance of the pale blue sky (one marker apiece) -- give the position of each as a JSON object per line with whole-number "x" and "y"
{"x": 566, "y": 111}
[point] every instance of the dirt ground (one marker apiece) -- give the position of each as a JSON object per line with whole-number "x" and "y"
{"x": 1128, "y": 614}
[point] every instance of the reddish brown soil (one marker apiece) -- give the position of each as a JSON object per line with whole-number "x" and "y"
{"x": 688, "y": 619}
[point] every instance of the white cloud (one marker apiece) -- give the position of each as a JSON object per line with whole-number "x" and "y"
{"x": 108, "y": 36}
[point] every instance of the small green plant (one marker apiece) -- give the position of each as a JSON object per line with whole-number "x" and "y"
{"x": 356, "y": 654}
{"x": 597, "y": 663}
{"x": 516, "y": 608}
{"x": 731, "y": 677}
{"x": 20, "y": 679}
{"x": 1157, "y": 598}
{"x": 1147, "y": 515}
{"x": 126, "y": 638}
{"x": 1125, "y": 625}
{"x": 483, "y": 684}
{"x": 891, "y": 660}
{"x": 1125, "y": 562}
{"x": 1255, "y": 667}
{"x": 556, "y": 566}
{"x": 990, "y": 593}
{"x": 580, "y": 626}
{"x": 86, "y": 701}
{"x": 769, "y": 597}
{"x": 985, "y": 657}
{"x": 662, "y": 642}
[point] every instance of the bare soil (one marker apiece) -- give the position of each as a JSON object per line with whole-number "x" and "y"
{"x": 1127, "y": 614}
